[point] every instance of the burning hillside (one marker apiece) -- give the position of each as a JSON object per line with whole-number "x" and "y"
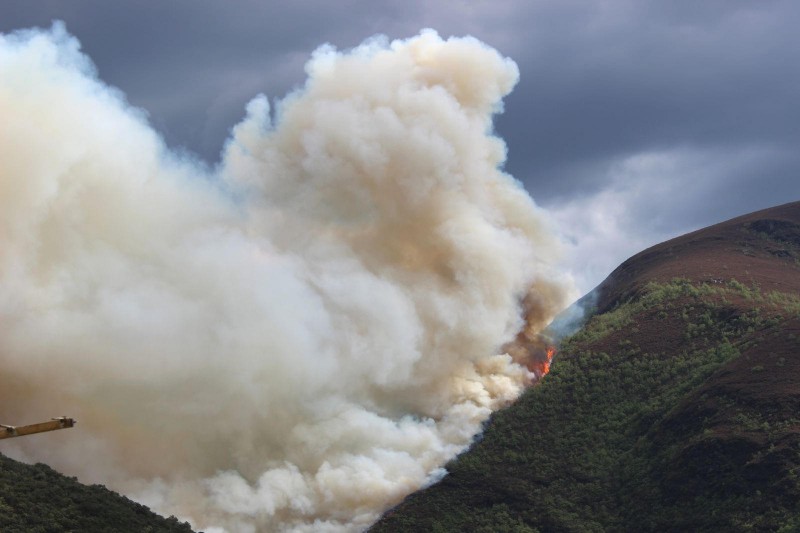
{"x": 674, "y": 408}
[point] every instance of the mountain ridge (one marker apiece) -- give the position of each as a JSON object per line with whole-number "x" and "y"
{"x": 35, "y": 498}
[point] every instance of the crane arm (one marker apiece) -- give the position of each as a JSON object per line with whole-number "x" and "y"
{"x": 63, "y": 422}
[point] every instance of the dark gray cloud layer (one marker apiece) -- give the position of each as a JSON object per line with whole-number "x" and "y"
{"x": 687, "y": 110}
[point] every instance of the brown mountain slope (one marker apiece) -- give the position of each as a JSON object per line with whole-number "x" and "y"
{"x": 675, "y": 408}
{"x": 757, "y": 248}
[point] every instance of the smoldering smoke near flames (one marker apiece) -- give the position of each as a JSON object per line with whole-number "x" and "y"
{"x": 294, "y": 340}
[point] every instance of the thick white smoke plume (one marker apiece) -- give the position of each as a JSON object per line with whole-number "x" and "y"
{"x": 294, "y": 340}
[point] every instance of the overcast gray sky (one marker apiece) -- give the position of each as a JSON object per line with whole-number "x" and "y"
{"x": 634, "y": 121}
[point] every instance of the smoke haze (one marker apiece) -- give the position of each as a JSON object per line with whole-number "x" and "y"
{"x": 294, "y": 340}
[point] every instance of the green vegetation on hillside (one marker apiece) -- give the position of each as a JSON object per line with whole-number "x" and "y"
{"x": 37, "y": 499}
{"x": 627, "y": 432}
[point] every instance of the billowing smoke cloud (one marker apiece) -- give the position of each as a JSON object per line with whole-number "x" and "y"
{"x": 294, "y": 340}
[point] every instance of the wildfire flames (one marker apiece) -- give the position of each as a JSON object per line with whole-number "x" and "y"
{"x": 543, "y": 367}
{"x": 534, "y": 351}
{"x": 534, "y": 345}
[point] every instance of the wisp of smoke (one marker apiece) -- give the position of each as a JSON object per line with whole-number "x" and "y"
{"x": 294, "y": 340}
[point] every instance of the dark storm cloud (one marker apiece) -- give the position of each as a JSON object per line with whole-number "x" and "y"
{"x": 622, "y": 81}
{"x": 604, "y": 85}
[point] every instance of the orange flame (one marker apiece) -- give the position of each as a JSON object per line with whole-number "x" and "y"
{"x": 534, "y": 351}
{"x": 543, "y": 367}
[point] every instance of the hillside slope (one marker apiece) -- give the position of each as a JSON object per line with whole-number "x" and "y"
{"x": 675, "y": 408}
{"x": 36, "y": 498}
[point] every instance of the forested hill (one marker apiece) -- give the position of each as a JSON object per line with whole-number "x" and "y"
{"x": 675, "y": 408}
{"x": 37, "y": 499}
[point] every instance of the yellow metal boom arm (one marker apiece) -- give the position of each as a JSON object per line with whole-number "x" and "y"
{"x": 7, "y": 432}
